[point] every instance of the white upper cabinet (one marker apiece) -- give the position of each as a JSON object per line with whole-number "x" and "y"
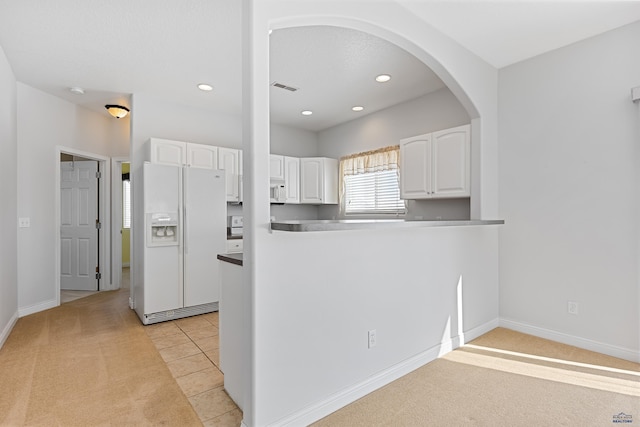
{"x": 318, "y": 180}
{"x": 179, "y": 153}
{"x": 452, "y": 162}
{"x": 292, "y": 179}
{"x": 436, "y": 165}
{"x": 202, "y": 156}
{"x": 276, "y": 167}
{"x": 167, "y": 152}
{"x": 415, "y": 167}
{"x": 229, "y": 160}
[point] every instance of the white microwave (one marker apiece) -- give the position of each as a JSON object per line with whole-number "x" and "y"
{"x": 277, "y": 193}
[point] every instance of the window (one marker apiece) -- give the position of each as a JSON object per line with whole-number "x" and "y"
{"x": 369, "y": 183}
{"x": 126, "y": 204}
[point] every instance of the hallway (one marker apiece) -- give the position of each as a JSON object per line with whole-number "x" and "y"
{"x": 91, "y": 361}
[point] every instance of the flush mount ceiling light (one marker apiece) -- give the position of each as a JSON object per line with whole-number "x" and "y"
{"x": 306, "y": 113}
{"x": 205, "y": 87}
{"x": 77, "y": 90}
{"x": 382, "y": 78}
{"x": 357, "y": 108}
{"x": 117, "y": 111}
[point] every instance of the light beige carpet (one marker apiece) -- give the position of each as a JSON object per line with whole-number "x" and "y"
{"x": 505, "y": 378}
{"x": 88, "y": 362}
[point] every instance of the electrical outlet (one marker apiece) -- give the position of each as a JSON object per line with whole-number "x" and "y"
{"x": 572, "y": 307}
{"x": 373, "y": 339}
{"x": 24, "y": 222}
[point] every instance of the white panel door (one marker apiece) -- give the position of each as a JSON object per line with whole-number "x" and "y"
{"x": 205, "y": 234}
{"x": 78, "y": 232}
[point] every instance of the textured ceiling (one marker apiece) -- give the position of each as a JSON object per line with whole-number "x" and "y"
{"x": 164, "y": 48}
{"x": 335, "y": 69}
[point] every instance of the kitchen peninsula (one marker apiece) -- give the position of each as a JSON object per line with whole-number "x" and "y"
{"x": 358, "y": 224}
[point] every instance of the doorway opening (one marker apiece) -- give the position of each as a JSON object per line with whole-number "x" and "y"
{"x": 82, "y": 224}
{"x": 120, "y": 224}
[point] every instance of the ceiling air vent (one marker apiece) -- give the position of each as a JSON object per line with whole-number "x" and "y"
{"x": 283, "y": 86}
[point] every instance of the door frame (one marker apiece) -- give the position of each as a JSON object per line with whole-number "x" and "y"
{"x": 104, "y": 208}
{"x": 116, "y": 220}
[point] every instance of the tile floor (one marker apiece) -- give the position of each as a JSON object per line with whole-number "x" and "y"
{"x": 190, "y": 348}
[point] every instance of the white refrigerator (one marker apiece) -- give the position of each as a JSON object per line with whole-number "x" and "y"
{"x": 184, "y": 230}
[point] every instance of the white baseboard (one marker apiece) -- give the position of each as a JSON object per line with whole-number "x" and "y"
{"x": 25, "y": 311}
{"x": 8, "y": 328}
{"x": 474, "y": 333}
{"x": 338, "y": 400}
{"x": 587, "y": 344}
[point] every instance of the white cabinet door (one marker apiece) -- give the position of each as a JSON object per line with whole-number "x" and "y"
{"x": 451, "y": 162}
{"x": 311, "y": 181}
{"x": 292, "y": 179}
{"x": 229, "y": 160}
{"x": 415, "y": 167}
{"x": 167, "y": 152}
{"x": 436, "y": 165}
{"x": 276, "y": 167}
{"x": 202, "y": 156}
{"x": 318, "y": 180}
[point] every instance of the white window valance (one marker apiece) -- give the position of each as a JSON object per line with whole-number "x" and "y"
{"x": 383, "y": 159}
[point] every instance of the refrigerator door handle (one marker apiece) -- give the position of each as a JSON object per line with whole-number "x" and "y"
{"x": 186, "y": 235}
{"x": 185, "y": 218}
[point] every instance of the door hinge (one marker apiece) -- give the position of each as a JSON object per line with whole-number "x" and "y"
{"x": 98, "y": 174}
{"x": 98, "y": 224}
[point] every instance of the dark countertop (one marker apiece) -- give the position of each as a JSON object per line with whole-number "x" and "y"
{"x": 235, "y": 258}
{"x": 359, "y": 224}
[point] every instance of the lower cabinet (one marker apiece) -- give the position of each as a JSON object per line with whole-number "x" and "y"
{"x": 234, "y": 338}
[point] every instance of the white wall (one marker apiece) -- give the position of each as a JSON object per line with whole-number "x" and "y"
{"x": 8, "y": 195}
{"x": 293, "y": 142}
{"x": 45, "y": 122}
{"x": 570, "y": 193}
{"x": 432, "y": 112}
{"x": 315, "y": 295}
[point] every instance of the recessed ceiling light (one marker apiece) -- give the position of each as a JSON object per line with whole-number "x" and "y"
{"x": 77, "y": 90}
{"x": 205, "y": 87}
{"x": 383, "y": 78}
{"x": 306, "y": 113}
{"x": 357, "y": 108}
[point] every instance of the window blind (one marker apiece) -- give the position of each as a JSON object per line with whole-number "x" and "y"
{"x": 373, "y": 192}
